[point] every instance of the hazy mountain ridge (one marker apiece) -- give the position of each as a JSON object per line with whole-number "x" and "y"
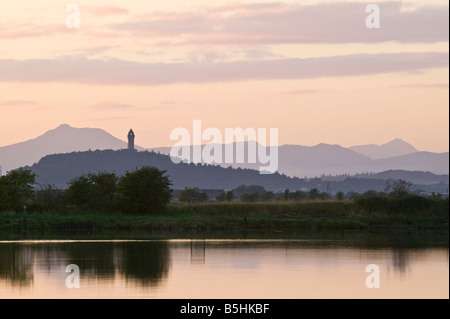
{"x": 416, "y": 177}
{"x": 59, "y": 169}
{"x": 294, "y": 160}
{"x": 396, "y": 147}
{"x": 63, "y": 139}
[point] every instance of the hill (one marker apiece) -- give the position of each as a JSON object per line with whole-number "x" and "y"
{"x": 294, "y": 160}
{"x": 63, "y": 139}
{"x": 59, "y": 169}
{"x": 394, "y": 148}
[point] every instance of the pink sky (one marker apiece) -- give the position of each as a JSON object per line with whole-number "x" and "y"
{"x": 309, "y": 68}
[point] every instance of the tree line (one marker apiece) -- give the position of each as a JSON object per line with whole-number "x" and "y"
{"x": 149, "y": 190}
{"x": 146, "y": 190}
{"x": 256, "y": 193}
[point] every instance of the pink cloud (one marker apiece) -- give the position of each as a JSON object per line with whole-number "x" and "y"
{"x": 18, "y": 103}
{"x": 120, "y": 72}
{"x": 110, "y": 106}
{"x": 421, "y": 86}
{"x": 30, "y": 30}
{"x": 302, "y": 92}
{"x": 104, "y": 10}
{"x": 271, "y": 23}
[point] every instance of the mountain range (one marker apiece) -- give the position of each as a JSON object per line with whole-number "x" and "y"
{"x": 294, "y": 160}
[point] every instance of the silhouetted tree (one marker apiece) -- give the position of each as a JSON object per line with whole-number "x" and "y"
{"x": 48, "y": 198}
{"x": 146, "y": 190}
{"x": 193, "y": 195}
{"x": 250, "y": 198}
{"x": 314, "y": 194}
{"x": 221, "y": 197}
{"x": 340, "y": 196}
{"x": 80, "y": 191}
{"x": 401, "y": 188}
{"x": 229, "y": 196}
{"x": 268, "y": 196}
{"x": 16, "y": 189}
{"x": 94, "y": 191}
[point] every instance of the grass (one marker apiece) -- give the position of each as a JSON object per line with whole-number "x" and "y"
{"x": 229, "y": 217}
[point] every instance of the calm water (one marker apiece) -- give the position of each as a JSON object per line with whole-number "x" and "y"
{"x": 222, "y": 269}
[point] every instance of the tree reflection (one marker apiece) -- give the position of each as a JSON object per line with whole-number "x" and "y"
{"x": 145, "y": 263}
{"x": 16, "y": 264}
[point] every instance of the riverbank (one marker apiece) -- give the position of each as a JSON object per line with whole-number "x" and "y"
{"x": 243, "y": 217}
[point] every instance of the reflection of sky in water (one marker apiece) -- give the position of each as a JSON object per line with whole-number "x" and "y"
{"x": 220, "y": 269}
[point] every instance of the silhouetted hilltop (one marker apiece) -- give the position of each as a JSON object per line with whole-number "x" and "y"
{"x": 394, "y": 148}
{"x": 294, "y": 160}
{"x": 61, "y": 168}
{"x": 62, "y": 139}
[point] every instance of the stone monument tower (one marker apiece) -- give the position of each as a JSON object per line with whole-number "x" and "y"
{"x": 131, "y": 140}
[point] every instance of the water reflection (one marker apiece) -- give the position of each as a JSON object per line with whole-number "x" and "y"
{"x": 143, "y": 263}
{"x": 16, "y": 264}
{"x": 198, "y": 251}
{"x": 289, "y": 268}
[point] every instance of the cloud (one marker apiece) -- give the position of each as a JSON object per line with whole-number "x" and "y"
{"x": 18, "y": 103}
{"x": 112, "y": 118}
{"x": 302, "y": 92}
{"x": 28, "y": 29}
{"x": 259, "y": 23}
{"x": 104, "y": 10}
{"x": 274, "y": 23}
{"x": 420, "y": 86}
{"x": 110, "y": 106}
{"x": 119, "y": 72}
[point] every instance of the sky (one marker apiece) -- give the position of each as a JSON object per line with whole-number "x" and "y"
{"x": 310, "y": 68}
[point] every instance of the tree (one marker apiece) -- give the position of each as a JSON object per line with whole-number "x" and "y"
{"x": 401, "y": 188}
{"x": 221, "y": 196}
{"x": 104, "y": 191}
{"x": 146, "y": 190}
{"x": 287, "y": 195}
{"x": 268, "y": 196}
{"x": 436, "y": 196}
{"x": 193, "y": 195}
{"x": 229, "y": 196}
{"x": 94, "y": 191}
{"x": 250, "y": 198}
{"x": 314, "y": 194}
{"x": 80, "y": 191}
{"x": 16, "y": 189}
{"x": 48, "y": 197}
{"x": 299, "y": 195}
{"x": 340, "y": 196}
{"x": 241, "y": 190}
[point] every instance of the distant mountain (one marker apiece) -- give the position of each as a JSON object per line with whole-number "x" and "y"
{"x": 334, "y": 160}
{"x": 293, "y": 160}
{"x": 394, "y": 148}
{"x": 321, "y": 159}
{"x": 437, "y": 163}
{"x": 59, "y": 169}
{"x": 415, "y": 177}
{"x": 63, "y": 139}
{"x": 326, "y": 159}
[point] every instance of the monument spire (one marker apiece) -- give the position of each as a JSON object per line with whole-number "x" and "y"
{"x": 131, "y": 140}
